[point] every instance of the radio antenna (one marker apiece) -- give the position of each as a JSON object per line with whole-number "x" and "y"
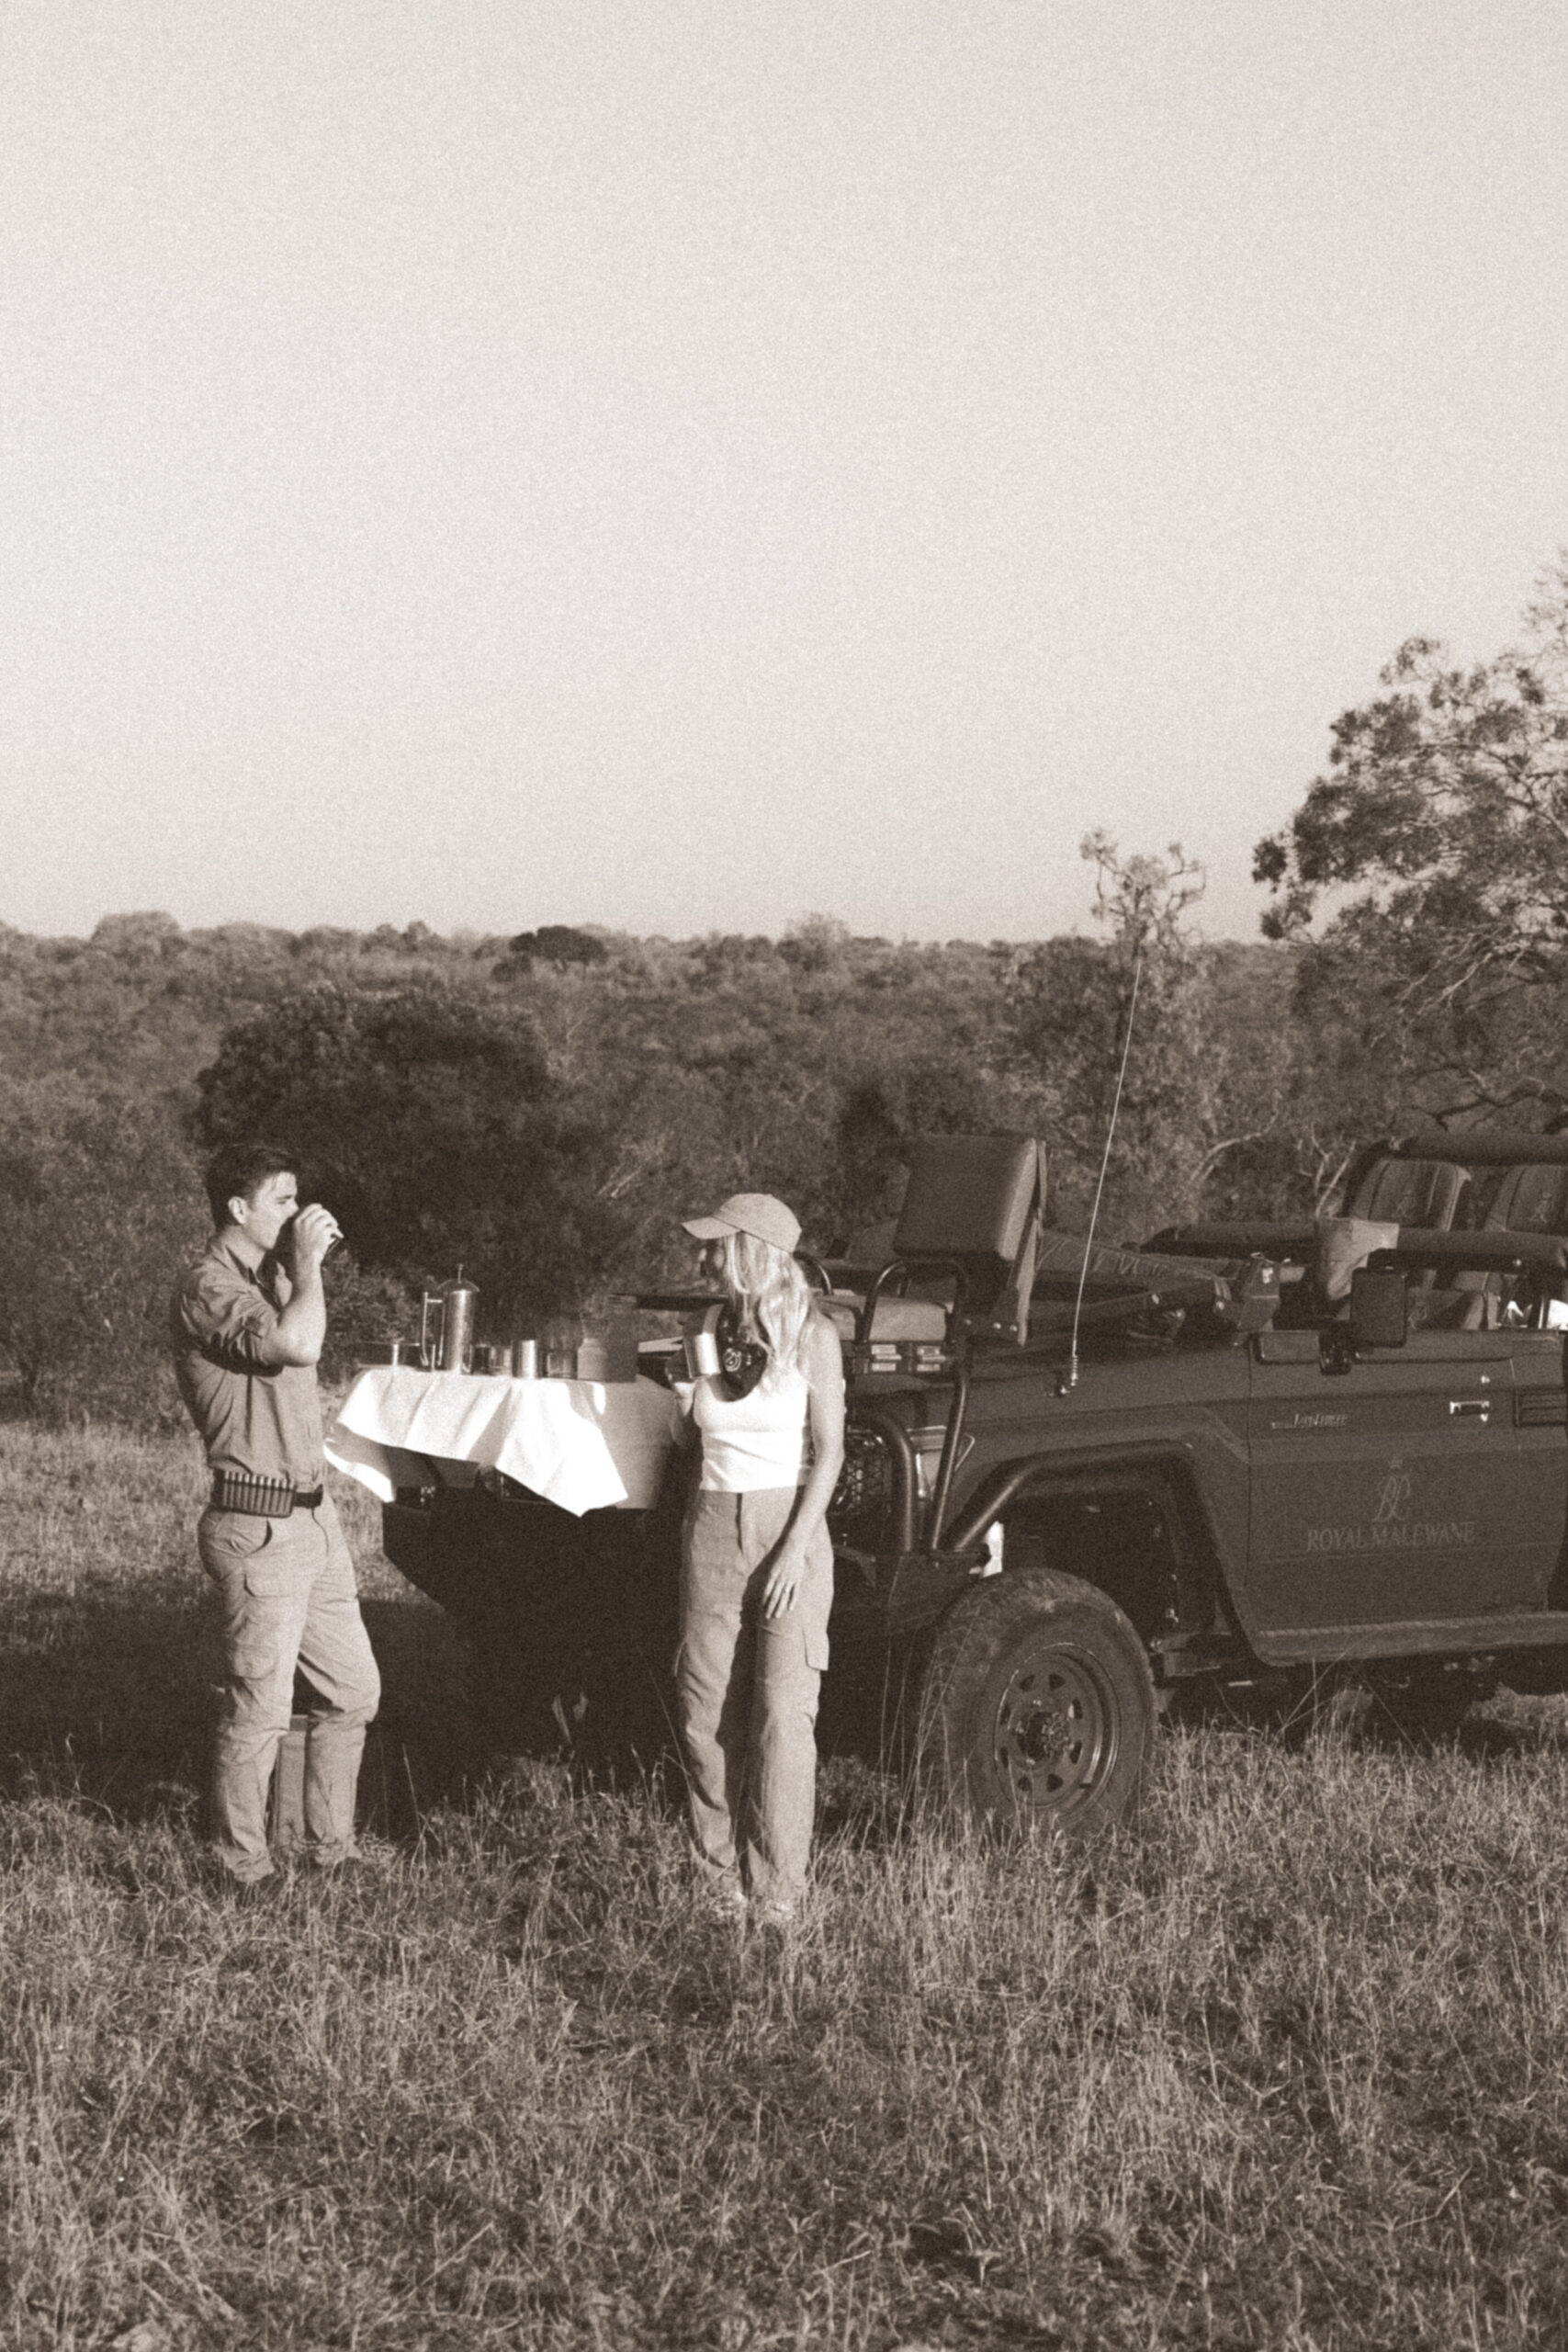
{"x": 1072, "y": 1379}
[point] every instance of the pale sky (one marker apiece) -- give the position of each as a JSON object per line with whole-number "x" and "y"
{"x": 682, "y": 466}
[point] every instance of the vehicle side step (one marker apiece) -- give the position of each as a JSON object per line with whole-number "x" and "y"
{"x": 1414, "y": 1637}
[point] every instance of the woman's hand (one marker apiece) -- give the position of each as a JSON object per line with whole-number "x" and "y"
{"x": 783, "y": 1586}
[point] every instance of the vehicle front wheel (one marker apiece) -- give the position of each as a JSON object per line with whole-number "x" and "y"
{"x": 1037, "y": 1704}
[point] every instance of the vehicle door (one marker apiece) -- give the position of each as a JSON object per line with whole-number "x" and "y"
{"x": 1393, "y": 1491}
{"x": 1540, "y": 1416}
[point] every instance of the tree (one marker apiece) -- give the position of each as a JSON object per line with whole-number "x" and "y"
{"x": 557, "y": 943}
{"x": 426, "y": 1117}
{"x": 139, "y": 938}
{"x": 1072, "y": 1002}
{"x": 1436, "y": 850}
{"x": 815, "y": 943}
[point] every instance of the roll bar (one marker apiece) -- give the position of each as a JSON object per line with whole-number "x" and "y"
{"x": 1487, "y": 1248}
{"x": 1475, "y": 1150}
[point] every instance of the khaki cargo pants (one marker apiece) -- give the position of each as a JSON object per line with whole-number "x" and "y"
{"x": 287, "y": 1597}
{"x": 746, "y": 1687}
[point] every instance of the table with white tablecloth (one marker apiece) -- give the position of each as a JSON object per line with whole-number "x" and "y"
{"x": 583, "y": 1444}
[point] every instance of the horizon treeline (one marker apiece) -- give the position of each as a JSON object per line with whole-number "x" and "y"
{"x": 545, "y": 1106}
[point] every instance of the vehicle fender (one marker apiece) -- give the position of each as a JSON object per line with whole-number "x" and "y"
{"x": 1211, "y": 1587}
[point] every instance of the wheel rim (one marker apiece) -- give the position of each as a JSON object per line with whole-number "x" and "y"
{"x": 1055, "y": 1732}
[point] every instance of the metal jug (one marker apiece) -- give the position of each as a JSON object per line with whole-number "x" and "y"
{"x": 454, "y": 1305}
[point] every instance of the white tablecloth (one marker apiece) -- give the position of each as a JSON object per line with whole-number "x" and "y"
{"x": 581, "y": 1444}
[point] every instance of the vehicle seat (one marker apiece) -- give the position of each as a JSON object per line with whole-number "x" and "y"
{"x": 977, "y": 1200}
{"x": 1427, "y": 1192}
{"x": 1527, "y": 1199}
{"x": 1531, "y": 1200}
{"x": 1432, "y": 1194}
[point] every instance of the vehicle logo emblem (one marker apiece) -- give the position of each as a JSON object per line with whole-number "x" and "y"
{"x": 1392, "y": 1496}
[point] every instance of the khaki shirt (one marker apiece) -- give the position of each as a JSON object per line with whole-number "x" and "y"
{"x": 250, "y": 1415}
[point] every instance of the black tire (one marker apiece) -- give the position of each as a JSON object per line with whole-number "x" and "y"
{"x": 1037, "y": 1705}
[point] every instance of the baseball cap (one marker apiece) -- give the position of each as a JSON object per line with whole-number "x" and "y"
{"x": 758, "y": 1213}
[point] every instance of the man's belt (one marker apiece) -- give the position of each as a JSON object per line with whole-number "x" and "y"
{"x": 263, "y": 1497}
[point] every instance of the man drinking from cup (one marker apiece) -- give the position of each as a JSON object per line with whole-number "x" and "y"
{"x": 248, "y": 1321}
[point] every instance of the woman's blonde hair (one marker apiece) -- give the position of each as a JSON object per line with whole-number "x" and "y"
{"x": 771, "y": 1296}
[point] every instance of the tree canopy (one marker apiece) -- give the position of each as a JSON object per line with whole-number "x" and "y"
{"x": 427, "y": 1118}
{"x": 1435, "y": 853}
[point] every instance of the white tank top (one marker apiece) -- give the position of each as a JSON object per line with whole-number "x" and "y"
{"x": 752, "y": 1442}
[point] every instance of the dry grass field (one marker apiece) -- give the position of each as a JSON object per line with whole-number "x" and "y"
{"x": 1284, "y": 2068}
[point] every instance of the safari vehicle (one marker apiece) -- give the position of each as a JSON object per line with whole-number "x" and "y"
{"x": 1079, "y": 1478}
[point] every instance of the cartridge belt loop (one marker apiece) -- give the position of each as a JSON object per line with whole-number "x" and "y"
{"x": 262, "y": 1498}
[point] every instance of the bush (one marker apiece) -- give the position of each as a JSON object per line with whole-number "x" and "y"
{"x": 99, "y": 1208}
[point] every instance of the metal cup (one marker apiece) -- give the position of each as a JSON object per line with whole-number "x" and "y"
{"x": 526, "y": 1360}
{"x": 558, "y": 1347}
{"x": 702, "y": 1347}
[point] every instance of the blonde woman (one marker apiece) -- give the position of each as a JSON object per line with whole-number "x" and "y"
{"x": 757, "y": 1567}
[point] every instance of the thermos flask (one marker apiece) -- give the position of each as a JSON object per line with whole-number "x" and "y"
{"x": 452, "y": 1347}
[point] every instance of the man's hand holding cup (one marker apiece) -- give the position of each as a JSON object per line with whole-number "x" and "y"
{"x": 312, "y": 1233}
